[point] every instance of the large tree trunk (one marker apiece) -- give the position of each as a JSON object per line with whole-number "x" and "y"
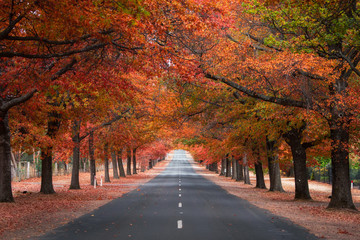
{"x": 5, "y": 144}
{"x": 5, "y": 159}
{"x": 341, "y": 189}
{"x": 46, "y": 170}
{"x": 128, "y": 163}
{"x": 293, "y": 137}
{"x": 134, "y": 161}
{"x": 274, "y": 168}
{"x": 47, "y": 154}
{"x": 115, "y": 165}
{"x": 233, "y": 166}
{"x": 223, "y": 165}
{"x": 121, "y": 165}
{"x": 75, "y": 182}
{"x": 106, "y": 162}
{"x": 246, "y": 170}
{"x": 239, "y": 171}
{"x": 260, "y": 181}
{"x": 92, "y": 158}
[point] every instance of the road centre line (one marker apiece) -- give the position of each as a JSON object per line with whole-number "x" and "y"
{"x": 179, "y": 224}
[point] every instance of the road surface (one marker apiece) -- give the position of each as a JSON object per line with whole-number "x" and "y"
{"x": 179, "y": 204}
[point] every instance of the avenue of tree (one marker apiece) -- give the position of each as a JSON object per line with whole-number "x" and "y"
{"x": 247, "y": 84}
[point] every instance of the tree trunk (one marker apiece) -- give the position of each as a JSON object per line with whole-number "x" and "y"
{"x": 341, "y": 186}
{"x": 128, "y": 165}
{"x": 246, "y": 170}
{"x": 150, "y": 164}
{"x": 222, "y": 170}
{"x": 106, "y": 162}
{"x": 5, "y": 159}
{"x": 46, "y": 170}
{"x": 260, "y": 181}
{"x": 274, "y": 168}
{"x": 239, "y": 171}
{"x": 47, "y": 154}
{"x": 233, "y": 166}
{"x": 210, "y": 167}
{"x": 115, "y": 165}
{"x": 293, "y": 138}
{"x": 213, "y": 167}
{"x": 75, "y": 182}
{"x": 92, "y": 158}
{"x": 228, "y": 166}
{"x": 291, "y": 172}
{"x": 121, "y": 165}
{"x": 134, "y": 161}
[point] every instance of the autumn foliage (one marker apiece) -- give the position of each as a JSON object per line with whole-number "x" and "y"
{"x": 264, "y": 84}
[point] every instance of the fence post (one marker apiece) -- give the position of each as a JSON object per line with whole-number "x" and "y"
{"x": 19, "y": 171}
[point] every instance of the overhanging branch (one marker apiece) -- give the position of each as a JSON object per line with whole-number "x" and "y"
{"x": 251, "y": 93}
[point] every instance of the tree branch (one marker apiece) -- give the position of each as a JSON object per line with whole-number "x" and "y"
{"x": 4, "y": 34}
{"x": 261, "y": 41}
{"x": 92, "y": 130}
{"x": 52, "y": 55}
{"x": 251, "y": 93}
{"x": 16, "y": 101}
{"x": 310, "y": 75}
{"x": 64, "y": 69}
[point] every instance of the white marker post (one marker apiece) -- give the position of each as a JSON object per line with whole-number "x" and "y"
{"x": 101, "y": 180}
{"x": 95, "y": 181}
{"x": 352, "y": 184}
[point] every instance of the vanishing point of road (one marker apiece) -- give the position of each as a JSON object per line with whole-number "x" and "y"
{"x": 179, "y": 204}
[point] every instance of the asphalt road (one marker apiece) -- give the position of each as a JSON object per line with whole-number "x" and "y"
{"x": 179, "y": 204}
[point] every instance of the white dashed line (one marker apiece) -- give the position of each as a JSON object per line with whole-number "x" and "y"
{"x": 180, "y": 204}
{"x": 179, "y": 224}
{"x": 179, "y": 195}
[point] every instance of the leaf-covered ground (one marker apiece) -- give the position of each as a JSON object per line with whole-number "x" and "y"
{"x": 34, "y": 213}
{"x": 313, "y": 215}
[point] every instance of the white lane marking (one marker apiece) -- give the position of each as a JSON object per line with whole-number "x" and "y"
{"x": 179, "y": 195}
{"x": 181, "y": 212}
{"x": 180, "y": 204}
{"x": 179, "y": 184}
{"x": 179, "y": 189}
{"x": 179, "y": 224}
